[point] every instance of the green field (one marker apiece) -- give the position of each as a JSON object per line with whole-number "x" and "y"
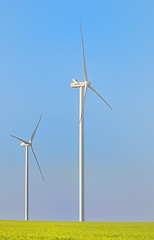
{"x": 74, "y": 230}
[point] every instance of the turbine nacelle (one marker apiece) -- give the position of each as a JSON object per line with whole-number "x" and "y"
{"x": 76, "y": 84}
{"x": 25, "y": 144}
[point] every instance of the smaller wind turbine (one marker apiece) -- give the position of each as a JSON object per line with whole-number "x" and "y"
{"x": 27, "y": 145}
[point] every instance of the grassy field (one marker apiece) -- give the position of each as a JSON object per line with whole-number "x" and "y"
{"x": 74, "y": 230}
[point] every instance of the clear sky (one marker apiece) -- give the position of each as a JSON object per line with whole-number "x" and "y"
{"x": 40, "y": 53}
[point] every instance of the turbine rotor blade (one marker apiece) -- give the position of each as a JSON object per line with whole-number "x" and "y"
{"x": 35, "y": 129}
{"x": 99, "y": 96}
{"x": 85, "y": 91}
{"x": 20, "y": 139}
{"x": 86, "y": 87}
{"x": 37, "y": 162}
{"x": 84, "y": 61}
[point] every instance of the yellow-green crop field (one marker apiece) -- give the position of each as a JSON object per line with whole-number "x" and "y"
{"x": 74, "y": 230}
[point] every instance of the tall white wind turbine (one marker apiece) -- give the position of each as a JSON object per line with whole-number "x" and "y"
{"x": 86, "y": 84}
{"x": 27, "y": 145}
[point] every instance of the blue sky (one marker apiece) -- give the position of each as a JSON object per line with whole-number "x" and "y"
{"x": 40, "y": 53}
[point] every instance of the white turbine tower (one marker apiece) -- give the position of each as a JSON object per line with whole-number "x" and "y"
{"x": 27, "y": 145}
{"x": 86, "y": 84}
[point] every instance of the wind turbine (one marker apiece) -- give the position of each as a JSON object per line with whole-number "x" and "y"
{"x": 86, "y": 84}
{"x": 27, "y": 145}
